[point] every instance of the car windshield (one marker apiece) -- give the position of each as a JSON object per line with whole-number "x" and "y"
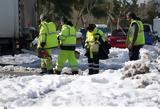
{"x": 105, "y": 30}
{"x": 119, "y": 32}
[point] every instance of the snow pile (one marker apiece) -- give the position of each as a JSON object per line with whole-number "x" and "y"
{"x": 140, "y": 88}
{"x": 11, "y": 68}
{"x": 18, "y": 59}
{"x": 13, "y": 71}
{"x": 25, "y": 90}
{"x": 140, "y": 66}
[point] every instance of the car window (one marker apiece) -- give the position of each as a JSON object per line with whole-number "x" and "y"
{"x": 83, "y": 31}
{"x": 119, "y": 32}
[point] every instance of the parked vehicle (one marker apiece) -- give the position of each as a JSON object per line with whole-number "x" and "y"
{"x": 17, "y": 23}
{"x": 103, "y": 27}
{"x": 118, "y": 38}
{"x": 148, "y": 33}
{"x": 156, "y": 27}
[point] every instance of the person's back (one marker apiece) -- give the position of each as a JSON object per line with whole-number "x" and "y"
{"x": 72, "y": 35}
{"x": 67, "y": 39}
{"x": 51, "y": 36}
{"x": 47, "y": 40}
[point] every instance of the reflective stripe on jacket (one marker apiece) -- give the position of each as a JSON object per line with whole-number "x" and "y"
{"x": 48, "y": 35}
{"x": 140, "y": 38}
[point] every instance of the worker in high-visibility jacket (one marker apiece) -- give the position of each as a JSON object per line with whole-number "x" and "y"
{"x": 67, "y": 40}
{"x": 47, "y": 41}
{"x": 135, "y": 37}
{"x": 92, "y": 44}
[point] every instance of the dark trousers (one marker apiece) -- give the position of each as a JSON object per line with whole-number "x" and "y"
{"x": 134, "y": 52}
{"x": 93, "y": 64}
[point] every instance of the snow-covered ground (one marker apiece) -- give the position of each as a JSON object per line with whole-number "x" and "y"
{"x": 119, "y": 83}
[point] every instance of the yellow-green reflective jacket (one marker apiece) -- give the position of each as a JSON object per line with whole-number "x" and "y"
{"x": 140, "y": 38}
{"x": 91, "y": 36}
{"x": 48, "y": 35}
{"x": 68, "y": 36}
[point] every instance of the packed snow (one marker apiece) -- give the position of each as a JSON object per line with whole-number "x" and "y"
{"x": 120, "y": 82}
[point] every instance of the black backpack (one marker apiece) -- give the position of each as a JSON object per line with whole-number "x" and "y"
{"x": 103, "y": 49}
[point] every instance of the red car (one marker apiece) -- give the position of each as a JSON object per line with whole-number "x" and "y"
{"x": 118, "y": 38}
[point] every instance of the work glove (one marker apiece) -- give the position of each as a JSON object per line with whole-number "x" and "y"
{"x": 42, "y": 53}
{"x": 96, "y": 39}
{"x": 43, "y": 44}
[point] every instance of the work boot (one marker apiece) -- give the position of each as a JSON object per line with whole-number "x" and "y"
{"x": 57, "y": 72}
{"x": 90, "y": 71}
{"x": 43, "y": 71}
{"x": 74, "y": 72}
{"x": 50, "y": 71}
{"x": 94, "y": 72}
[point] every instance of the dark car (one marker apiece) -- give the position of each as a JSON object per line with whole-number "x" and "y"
{"x": 148, "y": 34}
{"x": 104, "y": 28}
{"x": 118, "y": 38}
{"x": 83, "y": 31}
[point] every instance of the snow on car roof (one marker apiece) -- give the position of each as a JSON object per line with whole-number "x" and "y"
{"x": 101, "y": 25}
